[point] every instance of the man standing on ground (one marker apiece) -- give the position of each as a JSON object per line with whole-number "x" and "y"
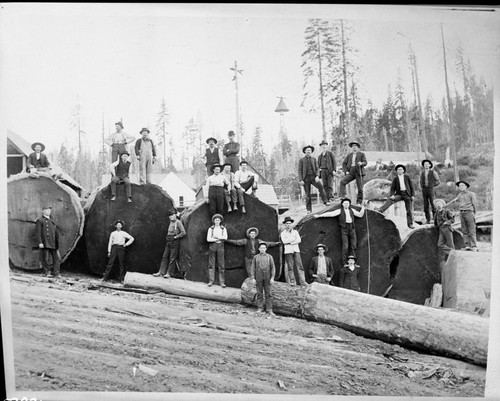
{"x": 291, "y": 240}
{"x": 47, "y": 236}
{"x": 308, "y": 175}
{"x": 231, "y": 151}
{"x": 327, "y": 166}
{"x": 263, "y": 272}
{"x": 467, "y": 205}
{"x": 428, "y": 180}
{"x": 118, "y": 241}
{"x": 146, "y": 154}
{"x": 353, "y": 167}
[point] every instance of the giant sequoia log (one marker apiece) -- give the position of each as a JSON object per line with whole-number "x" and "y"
{"x": 26, "y": 197}
{"x": 146, "y": 219}
{"x": 378, "y": 243}
{"x": 194, "y": 247}
{"x": 432, "y": 330}
{"x": 418, "y": 266}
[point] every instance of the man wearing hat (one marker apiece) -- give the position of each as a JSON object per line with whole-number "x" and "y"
{"x": 118, "y": 141}
{"x": 467, "y": 206}
{"x": 293, "y": 262}
{"x": 327, "y": 166}
{"x": 118, "y": 241}
{"x": 347, "y": 228}
{"x": 146, "y": 154}
{"x": 47, "y": 236}
{"x": 263, "y": 271}
{"x": 429, "y": 179}
{"x": 251, "y": 244}
{"x": 309, "y": 175}
{"x": 216, "y": 193}
{"x": 211, "y": 155}
{"x": 243, "y": 181}
{"x": 216, "y": 236}
{"x": 231, "y": 151}
{"x": 230, "y": 191}
{"x": 321, "y": 266}
{"x": 353, "y": 167}
{"x": 401, "y": 190}
{"x": 37, "y": 161}
{"x": 349, "y": 274}
{"x": 443, "y": 220}
{"x": 120, "y": 170}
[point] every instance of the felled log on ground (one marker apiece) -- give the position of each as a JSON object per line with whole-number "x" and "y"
{"x": 183, "y": 288}
{"x": 145, "y": 219}
{"x": 26, "y": 197}
{"x": 418, "y": 267}
{"x": 378, "y": 242}
{"x": 431, "y": 330}
{"x": 194, "y": 247}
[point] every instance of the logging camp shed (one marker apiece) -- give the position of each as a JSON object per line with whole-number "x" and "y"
{"x": 18, "y": 150}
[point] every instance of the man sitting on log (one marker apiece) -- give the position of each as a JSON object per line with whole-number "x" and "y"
{"x": 230, "y": 193}
{"x": 171, "y": 253}
{"x": 321, "y": 266}
{"x": 349, "y": 274}
{"x": 118, "y": 241}
{"x": 251, "y": 244}
{"x": 243, "y": 181}
{"x": 291, "y": 240}
{"x": 263, "y": 272}
{"x": 216, "y": 192}
{"x": 120, "y": 171}
{"x": 443, "y": 220}
{"x": 216, "y": 236}
{"x": 401, "y": 190}
{"x": 38, "y": 161}
{"x": 47, "y": 235}
{"x": 347, "y": 228}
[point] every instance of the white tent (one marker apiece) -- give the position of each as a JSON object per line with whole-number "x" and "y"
{"x": 178, "y": 190}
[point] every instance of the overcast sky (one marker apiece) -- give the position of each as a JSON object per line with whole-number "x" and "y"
{"x": 120, "y": 60}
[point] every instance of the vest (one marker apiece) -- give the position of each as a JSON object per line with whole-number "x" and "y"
{"x": 122, "y": 169}
{"x": 431, "y": 180}
{"x": 342, "y": 217}
{"x": 212, "y": 158}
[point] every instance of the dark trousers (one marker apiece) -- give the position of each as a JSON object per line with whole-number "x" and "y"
{"x": 245, "y": 186}
{"x": 170, "y": 256}
{"x": 126, "y": 181}
{"x": 117, "y": 251}
{"x": 48, "y": 264}
{"x": 351, "y": 176}
{"x": 264, "y": 286}
{"x": 445, "y": 242}
{"x": 230, "y": 196}
{"x": 216, "y": 250}
{"x": 294, "y": 262}
{"x": 468, "y": 223}
{"x": 327, "y": 180}
{"x": 349, "y": 241}
{"x": 428, "y": 195}
{"x": 216, "y": 196}
{"x": 116, "y": 150}
{"x": 234, "y": 161}
{"x": 403, "y": 196}
{"x": 308, "y": 181}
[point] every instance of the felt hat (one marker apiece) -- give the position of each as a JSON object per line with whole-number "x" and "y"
{"x": 227, "y": 164}
{"x": 217, "y": 215}
{"x": 215, "y": 165}
{"x": 253, "y": 229}
{"x": 439, "y": 202}
{"x": 288, "y": 219}
{"x": 345, "y": 199}
{"x": 262, "y": 243}
{"x": 211, "y": 139}
{"x": 323, "y": 142}
{"x": 351, "y": 257}
{"x": 461, "y": 181}
{"x": 124, "y": 153}
{"x": 321, "y": 246}
{"x": 44, "y": 207}
{"x": 398, "y": 166}
{"x": 38, "y": 143}
{"x": 308, "y": 146}
{"x": 118, "y": 221}
{"x": 243, "y": 162}
{"x": 354, "y": 143}
{"x": 119, "y": 123}
{"x": 144, "y": 129}
{"x": 230, "y": 133}
{"x": 172, "y": 211}
{"x": 428, "y": 161}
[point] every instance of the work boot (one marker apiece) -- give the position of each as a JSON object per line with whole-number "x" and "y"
{"x": 210, "y": 283}
{"x": 113, "y": 198}
{"x": 235, "y": 207}
{"x": 243, "y": 210}
{"x": 229, "y": 210}
{"x": 271, "y": 313}
{"x": 156, "y": 274}
{"x": 167, "y": 275}
{"x": 129, "y": 200}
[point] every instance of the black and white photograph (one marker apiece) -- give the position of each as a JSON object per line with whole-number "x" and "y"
{"x": 249, "y": 201}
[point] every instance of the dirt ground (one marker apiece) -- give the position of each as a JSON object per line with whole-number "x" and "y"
{"x": 71, "y": 335}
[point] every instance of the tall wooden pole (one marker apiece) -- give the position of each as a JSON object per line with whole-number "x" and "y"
{"x": 321, "y": 95}
{"x": 344, "y": 73}
{"x": 238, "y": 120}
{"x": 420, "y": 112}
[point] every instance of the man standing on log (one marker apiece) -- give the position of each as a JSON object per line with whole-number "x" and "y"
{"x": 243, "y": 181}
{"x": 118, "y": 141}
{"x": 230, "y": 192}
{"x": 263, "y": 272}
{"x": 120, "y": 170}
{"x": 211, "y": 155}
{"x": 401, "y": 190}
{"x": 171, "y": 253}
{"x": 327, "y": 167}
{"x": 309, "y": 175}
{"x": 146, "y": 154}
{"x": 443, "y": 219}
{"x": 291, "y": 240}
{"x": 428, "y": 180}
{"x": 216, "y": 184}
{"x": 118, "y": 241}
{"x": 321, "y": 266}
{"x": 251, "y": 243}
{"x": 347, "y": 228}
{"x": 47, "y": 235}
{"x": 467, "y": 205}
{"x": 216, "y": 236}
{"x": 353, "y": 167}
{"x": 349, "y": 275}
{"x": 230, "y": 151}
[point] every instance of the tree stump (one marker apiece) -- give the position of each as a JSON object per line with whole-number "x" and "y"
{"x": 378, "y": 242}
{"x": 26, "y": 197}
{"x": 146, "y": 219}
{"x": 194, "y": 246}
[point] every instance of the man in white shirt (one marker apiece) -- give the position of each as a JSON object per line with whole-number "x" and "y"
{"x": 230, "y": 194}
{"x": 118, "y": 141}
{"x": 216, "y": 184}
{"x": 243, "y": 181}
{"x": 291, "y": 240}
{"x": 118, "y": 241}
{"x": 216, "y": 236}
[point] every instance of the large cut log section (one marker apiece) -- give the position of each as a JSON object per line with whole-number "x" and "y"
{"x": 26, "y": 197}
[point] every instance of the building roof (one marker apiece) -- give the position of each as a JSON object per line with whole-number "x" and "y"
{"x": 20, "y": 143}
{"x": 176, "y": 188}
{"x": 395, "y": 157}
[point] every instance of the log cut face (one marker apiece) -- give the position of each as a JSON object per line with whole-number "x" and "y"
{"x": 378, "y": 242}
{"x": 418, "y": 269}
{"x": 194, "y": 246}
{"x": 146, "y": 219}
{"x": 26, "y": 197}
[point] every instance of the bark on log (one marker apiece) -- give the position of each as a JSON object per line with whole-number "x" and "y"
{"x": 418, "y": 267}
{"x": 431, "y": 330}
{"x": 194, "y": 246}
{"x": 378, "y": 242}
{"x": 146, "y": 219}
{"x": 26, "y": 197}
{"x": 183, "y": 288}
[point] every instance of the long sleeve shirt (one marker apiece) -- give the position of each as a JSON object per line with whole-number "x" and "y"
{"x": 467, "y": 201}
{"x": 218, "y": 180}
{"x": 348, "y": 218}
{"x": 119, "y": 238}
{"x": 176, "y": 228}
{"x": 216, "y": 234}
{"x": 291, "y": 240}
{"x": 231, "y": 149}
{"x": 119, "y": 138}
{"x": 243, "y": 176}
{"x": 251, "y": 245}
{"x": 47, "y": 233}
{"x": 38, "y": 160}
{"x": 263, "y": 264}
